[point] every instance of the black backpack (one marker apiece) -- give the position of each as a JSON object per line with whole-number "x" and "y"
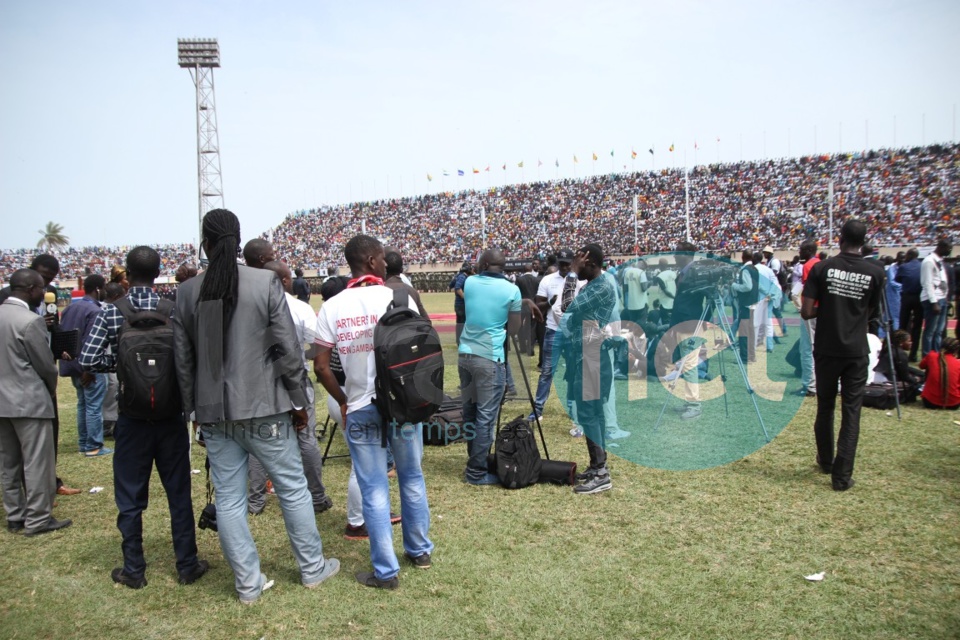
{"x": 145, "y": 363}
{"x": 409, "y": 361}
{"x": 518, "y": 458}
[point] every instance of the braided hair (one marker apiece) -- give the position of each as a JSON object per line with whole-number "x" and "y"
{"x": 221, "y": 233}
{"x": 949, "y": 346}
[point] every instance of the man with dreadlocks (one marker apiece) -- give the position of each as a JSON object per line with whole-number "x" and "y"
{"x": 241, "y": 370}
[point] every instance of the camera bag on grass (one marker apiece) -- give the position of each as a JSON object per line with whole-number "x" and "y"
{"x": 446, "y": 425}
{"x": 145, "y": 363}
{"x": 409, "y": 361}
{"x": 518, "y": 458}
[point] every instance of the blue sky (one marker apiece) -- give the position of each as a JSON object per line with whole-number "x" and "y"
{"x": 336, "y": 102}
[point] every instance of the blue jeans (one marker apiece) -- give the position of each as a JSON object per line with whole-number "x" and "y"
{"x": 808, "y": 375}
{"x": 90, "y": 412}
{"x": 370, "y": 464}
{"x": 933, "y": 326}
{"x": 273, "y": 441}
{"x": 481, "y": 386}
{"x": 552, "y": 347}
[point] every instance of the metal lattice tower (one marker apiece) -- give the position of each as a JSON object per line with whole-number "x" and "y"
{"x": 201, "y": 56}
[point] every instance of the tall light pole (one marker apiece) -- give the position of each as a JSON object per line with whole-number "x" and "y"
{"x": 201, "y": 56}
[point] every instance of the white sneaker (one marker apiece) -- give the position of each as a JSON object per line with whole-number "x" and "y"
{"x": 576, "y": 432}
{"x": 617, "y": 434}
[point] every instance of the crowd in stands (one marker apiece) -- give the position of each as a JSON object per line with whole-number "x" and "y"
{"x": 906, "y": 197}
{"x": 77, "y": 262}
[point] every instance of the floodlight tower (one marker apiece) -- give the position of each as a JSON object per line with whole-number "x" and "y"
{"x": 201, "y": 56}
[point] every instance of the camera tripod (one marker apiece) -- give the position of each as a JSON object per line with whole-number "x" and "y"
{"x": 887, "y": 323}
{"x": 715, "y": 301}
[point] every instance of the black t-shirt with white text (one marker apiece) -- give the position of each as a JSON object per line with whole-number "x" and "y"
{"x": 848, "y": 290}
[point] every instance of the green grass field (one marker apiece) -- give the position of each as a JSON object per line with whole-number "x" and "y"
{"x": 718, "y": 553}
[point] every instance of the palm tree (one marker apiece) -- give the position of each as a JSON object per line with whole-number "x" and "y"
{"x": 52, "y": 237}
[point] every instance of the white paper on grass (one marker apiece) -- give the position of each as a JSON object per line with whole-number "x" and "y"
{"x": 96, "y": 489}
{"x": 816, "y": 577}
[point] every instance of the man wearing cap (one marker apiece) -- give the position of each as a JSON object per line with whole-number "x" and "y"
{"x": 550, "y": 289}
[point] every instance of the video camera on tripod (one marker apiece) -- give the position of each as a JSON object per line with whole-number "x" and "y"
{"x": 709, "y": 274}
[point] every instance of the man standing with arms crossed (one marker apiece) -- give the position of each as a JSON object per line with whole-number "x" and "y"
{"x": 843, "y": 294}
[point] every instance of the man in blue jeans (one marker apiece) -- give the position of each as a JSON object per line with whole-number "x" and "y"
{"x": 346, "y": 323}
{"x": 241, "y": 370}
{"x": 492, "y": 303}
{"x": 933, "y": 296}
{"x": 551, "y": 286}
{"x": 91, "y": 387}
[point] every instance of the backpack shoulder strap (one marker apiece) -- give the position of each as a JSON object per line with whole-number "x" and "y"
{"x": 124, "y": 306}
{"x": 165, "y": 307}
{"x": 400, "y": 297}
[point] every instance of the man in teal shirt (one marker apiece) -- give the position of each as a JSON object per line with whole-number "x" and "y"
{"x": 492, "y": 302}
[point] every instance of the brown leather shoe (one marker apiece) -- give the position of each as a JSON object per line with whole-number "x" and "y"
{"x": 64, "y": 490}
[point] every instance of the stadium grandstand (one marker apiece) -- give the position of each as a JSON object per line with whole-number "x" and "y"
{"x": 907, "y": 197}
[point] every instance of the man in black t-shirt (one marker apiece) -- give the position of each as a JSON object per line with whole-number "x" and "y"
{"x": 843, "y": 294}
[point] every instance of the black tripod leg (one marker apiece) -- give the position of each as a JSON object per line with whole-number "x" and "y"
{"x": 533, "y": 405}
{"x": 329, "y": 442}
{"x": 887, "y": 323}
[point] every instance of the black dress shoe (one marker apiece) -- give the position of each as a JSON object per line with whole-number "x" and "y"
{"x": 849, "y": 485}
{"x": 192, "y": 576}
{"x": 15, "y": 526}
{"x": 52, "y": 525}
{"x": 127, "y": 580}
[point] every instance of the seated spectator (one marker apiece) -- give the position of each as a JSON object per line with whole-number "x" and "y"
{"x": 942, "y": 388}
{"x": 909, "y": 380}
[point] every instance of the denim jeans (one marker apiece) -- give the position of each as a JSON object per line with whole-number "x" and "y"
{"x": 90, "y": 411}
{"x": 808, "y": 375}
{"x": 933, "y": 326}
{"x": 370, "y": 464}
{"x": 550, "y": 354}
{"x": 312, "y": 465}
{"x": 273, "y": 440}
{"x": 481, "y": 386}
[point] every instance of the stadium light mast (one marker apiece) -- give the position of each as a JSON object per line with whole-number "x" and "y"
{"x": 201, "y": 56}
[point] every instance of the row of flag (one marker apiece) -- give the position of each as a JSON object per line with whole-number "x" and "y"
{"x": 556, "y": 163}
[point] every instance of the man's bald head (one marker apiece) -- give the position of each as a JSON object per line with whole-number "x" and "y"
{"x": 283, "y": 271}
{"x": 258, "y": 252}
{"x": 492, "y": 260}
{"x": 27, "y": 285}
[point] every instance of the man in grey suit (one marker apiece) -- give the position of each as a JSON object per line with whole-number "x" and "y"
{"x": 241, "y": 370}
{"x": 28, "y": 382}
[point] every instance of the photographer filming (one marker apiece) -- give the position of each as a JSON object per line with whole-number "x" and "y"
{"x": 687, "y": 309}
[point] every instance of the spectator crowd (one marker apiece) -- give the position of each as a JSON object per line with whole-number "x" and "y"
{"x": 908, "y": 195}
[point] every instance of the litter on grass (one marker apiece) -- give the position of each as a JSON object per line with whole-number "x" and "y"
{"x": 816, "y": 577}
{"x": 96, "y": 489}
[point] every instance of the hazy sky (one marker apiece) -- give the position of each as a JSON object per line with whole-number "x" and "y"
{"x": 325, "y": 102}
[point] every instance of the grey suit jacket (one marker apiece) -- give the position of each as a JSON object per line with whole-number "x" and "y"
{"x": 256, "y": 370}
{"x": 28, "y": 375}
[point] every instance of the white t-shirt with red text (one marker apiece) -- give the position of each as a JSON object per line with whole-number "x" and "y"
{"x": 345, "y": 323}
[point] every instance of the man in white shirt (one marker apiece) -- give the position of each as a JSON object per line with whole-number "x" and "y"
{"x": 770, "y": 297}
{"x": 548, "y": 293}
{"x": 635, "y": 298}
{"x": 346, "y": 323}
{"x": 305, "y": 322}
{"x": 933, "y": 296}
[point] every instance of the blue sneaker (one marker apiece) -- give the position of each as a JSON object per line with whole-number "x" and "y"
{"x": 102, "y": 451}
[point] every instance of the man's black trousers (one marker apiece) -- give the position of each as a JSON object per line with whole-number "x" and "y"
{"x": 138, "y": 445}
{"x": 851, "y": 373}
